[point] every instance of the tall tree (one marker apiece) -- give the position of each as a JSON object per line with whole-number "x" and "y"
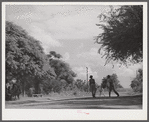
{"x": 25, "y": 59}
{"x": 61, "y": 68}
{"x": 122, "y": 36}
{"x": 117, "y": 84}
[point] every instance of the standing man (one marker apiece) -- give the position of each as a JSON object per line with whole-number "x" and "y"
{"x": 8, "y": 92}
{"x": 15, "y": 88}
{"x": 111, "y": 86}
{"x": 92, "y": 86}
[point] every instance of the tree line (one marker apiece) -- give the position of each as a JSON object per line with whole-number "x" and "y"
{"x": 30, "y": 66}
{"x": 121, "y": 39}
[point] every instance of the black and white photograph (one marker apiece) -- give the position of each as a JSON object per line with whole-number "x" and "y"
{"x": 74, "y": 60}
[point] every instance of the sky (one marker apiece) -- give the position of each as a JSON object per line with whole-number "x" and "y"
{"x": 70, "y": 30}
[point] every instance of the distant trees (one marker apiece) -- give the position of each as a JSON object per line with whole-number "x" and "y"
{"x": 63, "y": 74}
{"x": 137, "y": 82}
{"x": 81, "y": 85}
{"x": 122, "y": 36}
{"x": 104, "y": 82}
{"x": 116, "y": 82}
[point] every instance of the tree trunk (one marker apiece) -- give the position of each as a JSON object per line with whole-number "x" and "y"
{"x": 37, "y": 89}
{"x": 23, "y": 89}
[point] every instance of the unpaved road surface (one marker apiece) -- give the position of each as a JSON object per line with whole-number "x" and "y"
{"x": 122, "y": 102}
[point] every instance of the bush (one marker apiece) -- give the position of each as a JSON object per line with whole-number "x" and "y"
{"x": 136, "y": 83}
{"x": 75, "y": 93}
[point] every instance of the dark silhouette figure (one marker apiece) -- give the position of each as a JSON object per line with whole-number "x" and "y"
{"x": 8, "y": 92}
{"x": 92, "y": 86}
{"x": 15, "y": 91}
{"x": 12, "y": 90}
{"x": 111, "y": 86}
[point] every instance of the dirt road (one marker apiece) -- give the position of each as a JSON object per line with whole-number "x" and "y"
{"x": 122, "y": 102}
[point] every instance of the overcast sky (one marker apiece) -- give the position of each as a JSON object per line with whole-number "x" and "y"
{"x": 69, "y": 30}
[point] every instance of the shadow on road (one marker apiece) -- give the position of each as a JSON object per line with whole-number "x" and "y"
{"x": 122, "y": 102}
{"x": 103, "y": 102}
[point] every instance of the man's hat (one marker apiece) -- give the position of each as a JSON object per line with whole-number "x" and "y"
{"x": 91, "y": 76}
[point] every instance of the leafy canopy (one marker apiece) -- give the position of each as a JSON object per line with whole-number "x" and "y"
{"x": 61, "y": 68}
{"x": 115, "y": 80}
{"x": 122, "y": 35}
{"x": 24, "y": 55}
{"x": 137, "y": 82}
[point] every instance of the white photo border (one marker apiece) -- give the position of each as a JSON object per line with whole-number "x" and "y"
{"x": 72, "y": 114}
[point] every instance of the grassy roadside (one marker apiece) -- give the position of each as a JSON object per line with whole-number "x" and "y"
{"x": 73, "y": 94}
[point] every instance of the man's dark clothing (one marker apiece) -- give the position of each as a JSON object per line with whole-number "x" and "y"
{"x": 92, "y": 87}
{"x": 8, "y": 93}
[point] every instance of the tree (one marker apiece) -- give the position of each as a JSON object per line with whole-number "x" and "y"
{"x": 62, "y": 69}
{"x": 64, "y": 76}
{"x": 80, "y": 84}
{"x": 136, "y": 83}
{"x": 116, "y": 82}
{"x": 53, "y": 54}
{"x": 25, "y": 58}
{"x": 122, "y": 36}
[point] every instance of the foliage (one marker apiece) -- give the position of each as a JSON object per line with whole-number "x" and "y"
{"x": 24, "y": 56}
{"x": 104, "y": 82}
{"x": 53, "y": 54}
{"x": 122, "y": 36}
{"x": 27, "y": 62}
{"x": 62, "y": 70}
{"x": 64, "y": 76}
{"x": 114, "y": 77}
{"x": 81, "y": 85}
{"x": 54, "y": 85}
{"x": 116, "y": 82}
{"x": 136, "y": 83}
